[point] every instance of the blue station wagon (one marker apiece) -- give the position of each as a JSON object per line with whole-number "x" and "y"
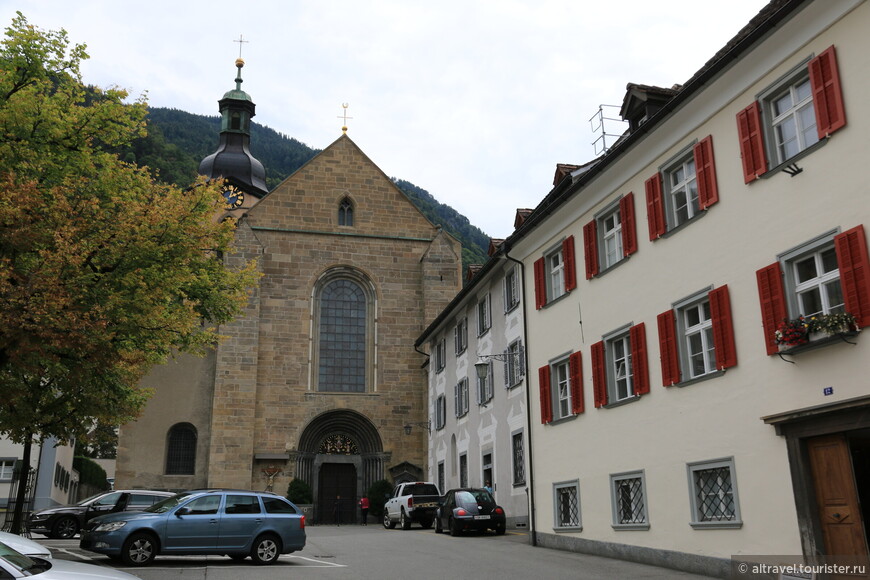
{"x": 234, "y": 523}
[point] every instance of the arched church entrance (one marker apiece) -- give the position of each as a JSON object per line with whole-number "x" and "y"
{"x": 340, "y": 455}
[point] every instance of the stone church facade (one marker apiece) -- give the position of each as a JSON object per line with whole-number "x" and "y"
{"x": 319, "y": 377}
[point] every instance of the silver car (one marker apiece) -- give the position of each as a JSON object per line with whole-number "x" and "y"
{"x": 14, "y": 564}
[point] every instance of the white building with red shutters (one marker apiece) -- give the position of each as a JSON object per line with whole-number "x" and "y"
{"x": 682, "y": 414}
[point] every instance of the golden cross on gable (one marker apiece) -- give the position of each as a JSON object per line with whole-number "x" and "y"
{"x": 345, "y": 117}
{"x": 240, "y": 41}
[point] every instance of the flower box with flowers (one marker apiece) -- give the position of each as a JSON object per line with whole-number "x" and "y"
{"x": 805, "y": 330}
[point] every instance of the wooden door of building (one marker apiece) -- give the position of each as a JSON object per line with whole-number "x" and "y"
{"x": 836, "y": 495}
{"x": 337, "y": 493}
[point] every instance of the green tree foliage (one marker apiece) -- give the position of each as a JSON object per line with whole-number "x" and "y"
{"x": 103, "y": 270}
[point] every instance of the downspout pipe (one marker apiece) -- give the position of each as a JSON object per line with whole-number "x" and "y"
{"x": 533, "y": 540}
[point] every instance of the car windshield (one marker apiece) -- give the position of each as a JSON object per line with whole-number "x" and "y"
{"x": 473, "y": 498}
{"x": 17, "y": 559}
{"x": 89, "y": 500}
{"x": 421, "y": 489}
{"x": 167, "y": 504}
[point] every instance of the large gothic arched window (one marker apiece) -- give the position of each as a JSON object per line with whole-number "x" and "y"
{"x": 344, "y": 334}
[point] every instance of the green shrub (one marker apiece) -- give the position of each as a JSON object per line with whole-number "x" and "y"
{"x": 378, "y": 494}
{"x": 90, "y": 472}
{"x": 300, "y": 492}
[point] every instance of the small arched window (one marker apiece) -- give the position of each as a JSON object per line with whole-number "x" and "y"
{"x": 345, "y": 213}
{"x": 181, "y": 450}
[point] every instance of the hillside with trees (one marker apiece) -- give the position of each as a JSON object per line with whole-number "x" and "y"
{"x": 177, "y": 141}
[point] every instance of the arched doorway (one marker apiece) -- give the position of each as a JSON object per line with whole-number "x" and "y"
{"x": 340, "y": 455}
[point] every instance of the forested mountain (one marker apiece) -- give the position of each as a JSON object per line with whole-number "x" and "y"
{"x": 177, "y": 141}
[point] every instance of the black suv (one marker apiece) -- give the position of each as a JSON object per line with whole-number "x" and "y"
{"x": 64, "y": 522}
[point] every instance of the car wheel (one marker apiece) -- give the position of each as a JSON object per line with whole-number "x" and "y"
{"x": 266, "y": 550}
{"x": 139, "y": 550}
{"x": 403, "y": 519}
{"x": 65, "y": 528}
{"x": 499, "y": 529}
{"x": 454, "y": 528}
{"x": 388, "y": 523}
{"x": 438, "y": 528}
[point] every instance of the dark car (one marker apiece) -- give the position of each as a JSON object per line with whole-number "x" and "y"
{"x": 65, "y": 521}
{"x": 236, "y": 523}
{"x": 467, "y": 509}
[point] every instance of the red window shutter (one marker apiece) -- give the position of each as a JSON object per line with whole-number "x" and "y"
{"x": 599, "y": 377}
{"x": 629, "y": 229}
{"x": 544, "y": 388}
{"x": 751, "y": 142}
{"x": 827, "y": 94}
{"x": 575, "y": 368}
{"x": 590, "y": 248}
{"x": 668, "y": 347}
{"x": 723, "y": 328}
{"x": 540, "y": 284}
{"x": 854, "y": 264}
{"x": 705, "y": 172}
{"x": 655, "y": 207}
{"x": 570, "y": 264}
{"x": 771, "y": 294}
{"x": 639, "y": 366}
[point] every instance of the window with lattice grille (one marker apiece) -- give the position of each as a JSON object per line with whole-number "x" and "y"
{"x": 628, "y": 496}
{"x": 714, "y": 494}
{"x": 566, "y": 500}
{"x": 181, "y": 450}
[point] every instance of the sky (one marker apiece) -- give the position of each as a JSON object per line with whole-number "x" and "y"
{"x": 475, "y": 101}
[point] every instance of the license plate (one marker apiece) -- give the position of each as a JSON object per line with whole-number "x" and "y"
{"x": 425, "y": 505}
{"x": 481, "y": 517}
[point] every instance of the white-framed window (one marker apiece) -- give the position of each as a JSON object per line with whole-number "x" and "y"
{"x": 518, "y": 455}
{"x": 713, "y": 497}
{"x": 681, "y": 189}
{"x": 460, "y": 336}
{"x": 484, "y": 386}
{"x": 789, "y": 115}
{"x": 460, "y": 398}
{"x": 440, "y": 355}
{"x": 486, "y": 475}
{"x": 555, "y": 268}
{"x": 812, "y": 278}
{"x": 514, "y": 364}
{"x": 440, "y": 411}
{"x": 7, "y": 468}
{"x": 620, "y": 375}
{"x": 561, "y": 389}
{"x": 628, "y": 500}
{"x": 610, "y": 226}
{"x": 463, "y": 470}
{"x": 566, "y": 506}
{"x": 792, "y": 116}
{"x": 695, "y": 331}
{"x": 484, "y": 315}
{"x": 511, "y": 290}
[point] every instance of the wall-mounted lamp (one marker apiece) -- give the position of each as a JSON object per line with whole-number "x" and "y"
{"x": 409, "y": 426}
{"x": 482, "y": 364}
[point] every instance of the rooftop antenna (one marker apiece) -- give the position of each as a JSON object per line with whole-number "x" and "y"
{"x": 600, "y": 128}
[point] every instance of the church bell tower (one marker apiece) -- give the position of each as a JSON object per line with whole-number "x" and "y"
{"x": 243, "y": 174}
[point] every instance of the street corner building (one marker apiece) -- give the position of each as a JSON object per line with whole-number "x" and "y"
{"x": 319, "y": 376}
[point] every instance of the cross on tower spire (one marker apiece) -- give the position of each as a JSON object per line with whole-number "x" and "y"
{"x": 240, "y": 41}
{"x": 345, "y": 117}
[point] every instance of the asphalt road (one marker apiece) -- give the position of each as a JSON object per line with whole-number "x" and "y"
{"x": 374, "y": 553}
